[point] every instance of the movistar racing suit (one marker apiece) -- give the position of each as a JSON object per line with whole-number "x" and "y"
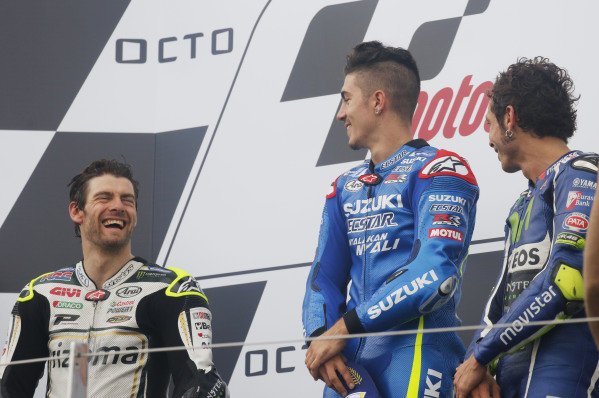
{"x": 141, "y": 306}
{"x": 541, "y": 280}
{"x": 400, "y": 231}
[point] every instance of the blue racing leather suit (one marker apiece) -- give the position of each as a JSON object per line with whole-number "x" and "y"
{"x": 541, "y": 279}
{"x": 399, "y": 231}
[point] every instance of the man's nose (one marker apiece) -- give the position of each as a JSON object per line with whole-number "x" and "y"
{"x": 341, "y": 114}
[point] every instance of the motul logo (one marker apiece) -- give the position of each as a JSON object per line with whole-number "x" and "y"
{"x": 65, "y": 291}
{"x": 445, "y": 233}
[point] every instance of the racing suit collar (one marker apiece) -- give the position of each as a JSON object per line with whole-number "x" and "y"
{"x": 398, "y": 155}
{"x": 554, "y": 167}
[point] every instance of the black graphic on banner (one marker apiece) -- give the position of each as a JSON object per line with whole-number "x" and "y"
{"x": 318, "y": 68}
{"x": 49, "y": 48}
{"x": 38, "y": 231}
{"x": 233, "y": 308}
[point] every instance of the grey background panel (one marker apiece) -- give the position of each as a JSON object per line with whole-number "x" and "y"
{"x": 318, "y": 68}
{"x": 482, "y": 271}
{"x": 233, "y": 308}
{"x": 48, "y": 49}
{"x": 40, "y": 217}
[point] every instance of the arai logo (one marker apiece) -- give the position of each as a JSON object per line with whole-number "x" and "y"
{"x": 128, "y": 291}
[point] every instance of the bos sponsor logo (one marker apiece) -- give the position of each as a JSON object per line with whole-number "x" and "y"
{"x": 202, "y": 325}
{"x": 577, "y": 222}
{"x": 353, "y": 185}
{"x": 402, "y": 293}
{"x": 576, "y": 198}
{"x": 446, "y": 208}
{"x": 65, "y": 291}
{"x": 370, "y": 179}
{"x": 395, "y": 178}
{"x": 447, "y": 198}
{"x": 363, "y": 206}
{"x": 433, "y": 384}
{"x": 97, "y": 295}
{"x": 118, "y": 319}
{"x": 128, "y": 291}
{"x": 445, "y": 233}
{"x": 394, "y": 159}
{"x": 58, "y": 276}
{"x": 447, "y": 219}
{"x": 375, "y": 221}
{"x": 583, "y": 183}
{"x": 67, "y": 304}
{"x": 402, "y": 169}
{"x": 528, "y": 315}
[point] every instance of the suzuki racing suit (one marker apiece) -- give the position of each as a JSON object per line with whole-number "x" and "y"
{"x": 142, "y": 306}
{"x": 541, "y": 279}
{"x": 400, "y": 232}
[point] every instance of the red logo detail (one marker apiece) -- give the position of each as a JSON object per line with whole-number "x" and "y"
{"x": 572, "y": 201}
{"x": 65, "y": 291}
{"x": 333, "y": 190}
{"x": 439, "y": 107}
{"x": 542, "y": 176}
{"x": 448, "y": 167}
{"x": 3, "y": 352}
{"x": 370, "y": 179}
{"x": 445, "y": 233}
{"x": 97, "y": 295}
{"x": 577, "y": 222}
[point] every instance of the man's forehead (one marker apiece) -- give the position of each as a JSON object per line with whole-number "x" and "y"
{"x": 109, "y": 183}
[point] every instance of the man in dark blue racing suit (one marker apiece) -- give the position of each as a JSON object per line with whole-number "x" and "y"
{"x": 531, "y": 118}
{"x": 398, "y": 228}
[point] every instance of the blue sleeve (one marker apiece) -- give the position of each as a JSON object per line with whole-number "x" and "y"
{"x": 556, "y": 291}
{"x": 326, "y": 288}
{"x": 444, "y": 210}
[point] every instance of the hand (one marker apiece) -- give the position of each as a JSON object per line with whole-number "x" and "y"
{"x": 468, "y": 376}
{"x": 484, "y": 389}
{"x": 328, "y": 373}
{"x": 321, "y": 351}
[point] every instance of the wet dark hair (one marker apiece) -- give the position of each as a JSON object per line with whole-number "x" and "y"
{"x": 78, "y": 184}
{"x": 542, "y": 95}
{"x": 391, "y": 69}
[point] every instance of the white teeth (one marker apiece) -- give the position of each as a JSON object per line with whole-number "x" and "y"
{"x": 113, "y": 222}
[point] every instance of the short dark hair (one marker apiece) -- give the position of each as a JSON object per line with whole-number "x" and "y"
{"x": 78, "y": 184}
{"x": 391, "y": 69}
{"x": 542, "y": 95}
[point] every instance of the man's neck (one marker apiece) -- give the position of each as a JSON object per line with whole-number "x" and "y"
{"x": 101, "y": 265}
{"x": 539, "y": 154}
{"x": 388, "y": 138}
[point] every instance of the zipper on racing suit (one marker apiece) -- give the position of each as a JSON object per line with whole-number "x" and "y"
{"x": 369, "y": 195}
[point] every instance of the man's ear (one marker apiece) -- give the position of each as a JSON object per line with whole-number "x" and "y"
{"x": 76, "y": 213}
{"x": 510, "y": 120}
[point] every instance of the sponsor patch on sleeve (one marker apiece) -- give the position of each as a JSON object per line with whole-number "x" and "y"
{"x": 449, "y": 164}
{"x": 566, "y": 238}
{"x": 577, "y": 222}
{"x": 446, "y": 233}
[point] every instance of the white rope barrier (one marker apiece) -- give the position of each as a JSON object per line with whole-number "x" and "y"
{"x": 302, "y": 340}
